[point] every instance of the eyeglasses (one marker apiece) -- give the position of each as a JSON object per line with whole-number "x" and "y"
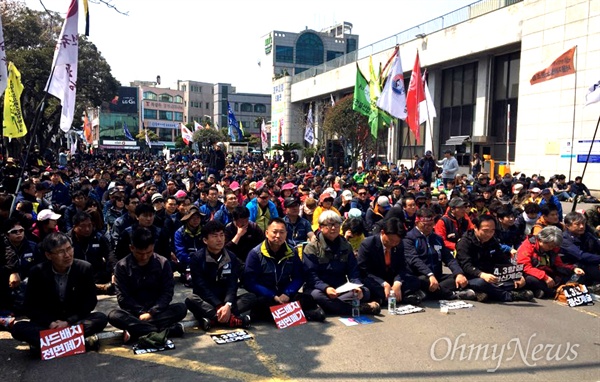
{"x": 64, "y": 251}
{"x": 16, "y": 231}
{"x": 362, "y": 193}
{"x": 331, "y": 225}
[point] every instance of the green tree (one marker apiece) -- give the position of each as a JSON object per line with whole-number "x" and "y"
{"x": 287, "y": 149}
{"x": 30, "y": 38}
{"x": 350, "y": 126}
{"x": 206, "y": 138}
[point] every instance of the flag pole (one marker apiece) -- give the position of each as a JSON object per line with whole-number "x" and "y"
{"x": 507, "y": 134}
{"x": 587, "y": 159}
{"x": 573, "y": 128}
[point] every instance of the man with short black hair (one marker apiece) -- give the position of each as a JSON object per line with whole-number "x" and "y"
{"x": 299, "y": 230}
{"x": 241, "y": 235}
{"x": 454, "y": 224}
{"x": 145, "y": 288}
{"x": 214, "y": 272}
{"x": 60, "y": 293}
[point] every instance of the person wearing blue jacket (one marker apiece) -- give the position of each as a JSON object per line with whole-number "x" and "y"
{"x": 262, "y": 209}
{"x": 581, "y": 247}
{"x": 224, "y": 214}
{"x": 274, "y": 274}
{"x": 187, "y": 240}
{"x": 426, "y": 253}
{"x": 548, "y": 198}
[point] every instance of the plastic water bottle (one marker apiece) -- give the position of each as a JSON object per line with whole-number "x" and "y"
{"x": 355, "y": 306}
{"x": 392, "y": 302}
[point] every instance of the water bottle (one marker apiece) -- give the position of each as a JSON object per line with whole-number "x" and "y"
{"x": 392, "y": 302}
{"x": 355, "y": 306}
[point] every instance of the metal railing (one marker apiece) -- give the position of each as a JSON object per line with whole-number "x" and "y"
{"x": 435, "y": 25}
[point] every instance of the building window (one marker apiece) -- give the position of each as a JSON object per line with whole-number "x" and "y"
{"x": 224, "y": 92}
{"x": 149, "y": 95}
{"x": 246, "y": 108}
{"x": 351, "y": 45}
{"x": 458, "y": 101}
{"x": 165, "y": 135}
{"x": 178, "y": 116}
{"x": 260, "y": 108}
{"x": 208, "y": 106}
{"x": 332, "y": 55}
{"x": 183, "y": 87}
{"x": 236, "y": 107}
{"x": 165, "y": 98}
{"x": 165, "y": 115}
{"x": 505, "y": 94}
{"x": 178, "y": 99}
{"x": 150, "y": 114}
{"x": 284, "y": 53}
{"x": 309, "y": 49}
{"x": 300, "y": 70}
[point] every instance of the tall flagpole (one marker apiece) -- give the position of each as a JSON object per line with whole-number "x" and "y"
{"x": 573, "y": 128}
{"x": 507, "y": 135}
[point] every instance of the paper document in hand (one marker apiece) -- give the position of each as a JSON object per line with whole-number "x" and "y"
{"x": 347, "y": 287}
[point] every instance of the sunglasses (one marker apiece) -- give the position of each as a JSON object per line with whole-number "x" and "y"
{"x": 16, "y": 231}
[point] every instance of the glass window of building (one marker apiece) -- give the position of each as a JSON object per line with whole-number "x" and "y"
{"x": 224, "y": 92}
{"x": 165, "y": 135}
{"x": 165, "y": 115}
{"x": 150, "y": 114}
{"x": 208, "y": 106}
{"x": 178, "y": 116}
{"x": 505, "y": 95}
{"x": 351, "y": 45}
{"x": 458, "y": 101}
{"x": 236, "y": 106}
{"x": 150, "y": 95}
{"x": 260, "y": 108}
{"x": 246, "y": 108}
{"x": 178, "y": 99}
{"x": 165, "y": 98}
{"x": 332, "y": 55}
{"x": 284, "y": 53}
{"x": 309, "y": 49}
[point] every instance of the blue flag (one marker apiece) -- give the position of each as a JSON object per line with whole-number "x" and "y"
{"x": 127, "y": 133}
{"x": 232, "y": 122}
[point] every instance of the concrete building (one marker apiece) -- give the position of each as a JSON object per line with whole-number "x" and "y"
{"x": 162, "y": 110}
{"x": 197, "y": 100}
{"x": 248, "y": 108}
{"x": 480, "y": 60}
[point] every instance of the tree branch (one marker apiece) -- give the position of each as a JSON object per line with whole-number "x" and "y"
{"x": 109, "y": 4}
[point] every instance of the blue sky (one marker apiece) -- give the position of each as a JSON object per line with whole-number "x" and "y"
{"x": 220, "y": 41}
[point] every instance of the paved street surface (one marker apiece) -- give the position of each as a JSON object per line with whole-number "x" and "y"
{"x": 539, "y": 341}
{"x": 536, "y": 341}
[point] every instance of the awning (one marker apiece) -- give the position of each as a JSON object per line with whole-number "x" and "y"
{"x": 457, "y": 140}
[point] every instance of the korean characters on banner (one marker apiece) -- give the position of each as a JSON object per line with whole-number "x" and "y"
{"x": 508, "y": 272}
{"x": 577, "y": 295}
{"x": 62, "y": 342}
{"x": 287, "y": 315}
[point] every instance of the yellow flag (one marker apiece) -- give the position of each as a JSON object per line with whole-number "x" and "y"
{"x": 14, "y": 124}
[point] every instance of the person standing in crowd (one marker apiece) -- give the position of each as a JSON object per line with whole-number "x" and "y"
{"x": 427, "y": 167}
{"x": 449, "y": 167}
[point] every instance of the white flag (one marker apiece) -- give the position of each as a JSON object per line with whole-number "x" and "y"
{"x": 3, "y": 62}
{"x": 74, "y": 145}
{"x": 147, "y": 138}
{"x": 332, "y": 100}
{"x": 593, "y": 95}
{"x": 197, "y": 126}
{"x": 393, "y": 95}
{"x": 263, "y": 135}
{"x": 63, "y": 78}
{"x": 426, "y": 108}
{"x": 186, "y": 134}
{"x": 309, "y": 135}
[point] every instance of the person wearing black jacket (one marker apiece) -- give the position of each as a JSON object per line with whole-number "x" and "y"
{"x": 145, "y": 288}
{"x": 60, "y": 293}
{"x": 383, "y": 266}
{"x": 581, "y": 247}
{"x": 214, "y": 273}
{"x": 478, "y": 252}
{"x": 216, "y": 161}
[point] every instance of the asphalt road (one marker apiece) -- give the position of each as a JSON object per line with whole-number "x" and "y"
{"x": 502, "y": 342}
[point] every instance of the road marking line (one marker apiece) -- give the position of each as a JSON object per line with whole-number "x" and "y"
{"x": 580, "y": 310}
{"x": 186, "y": 364}
{"x": 269, "y": 361}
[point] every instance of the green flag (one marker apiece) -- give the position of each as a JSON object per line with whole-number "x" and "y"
{"x": 362, "y": 99}
{"x": 377, "y": 117}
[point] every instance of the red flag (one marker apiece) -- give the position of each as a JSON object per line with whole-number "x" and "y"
{"x": 186, "y": 134}
{"x": 414, "y": 96}
{"x": 562, "y": 66}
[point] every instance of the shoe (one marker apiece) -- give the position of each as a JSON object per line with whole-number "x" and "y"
{"x": 126, "y": 337}
{"x": 466, "y": 294}
{"x": 595, "y": 289}
{"x": 204, "y": 323}
{"x": 370, "y": 308}
{"x": 7, "y": 322}
{"x": 412, "y": 299}
{"x": 539, "y": 294}
{"x": 481, "y": 296}
{"x": 245, "y": 321}
{"x": 92, "y": 343}
{"x": 522, "y": 295}
{"x": 317, "y": 314}
{"x": 176, "y": 331}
